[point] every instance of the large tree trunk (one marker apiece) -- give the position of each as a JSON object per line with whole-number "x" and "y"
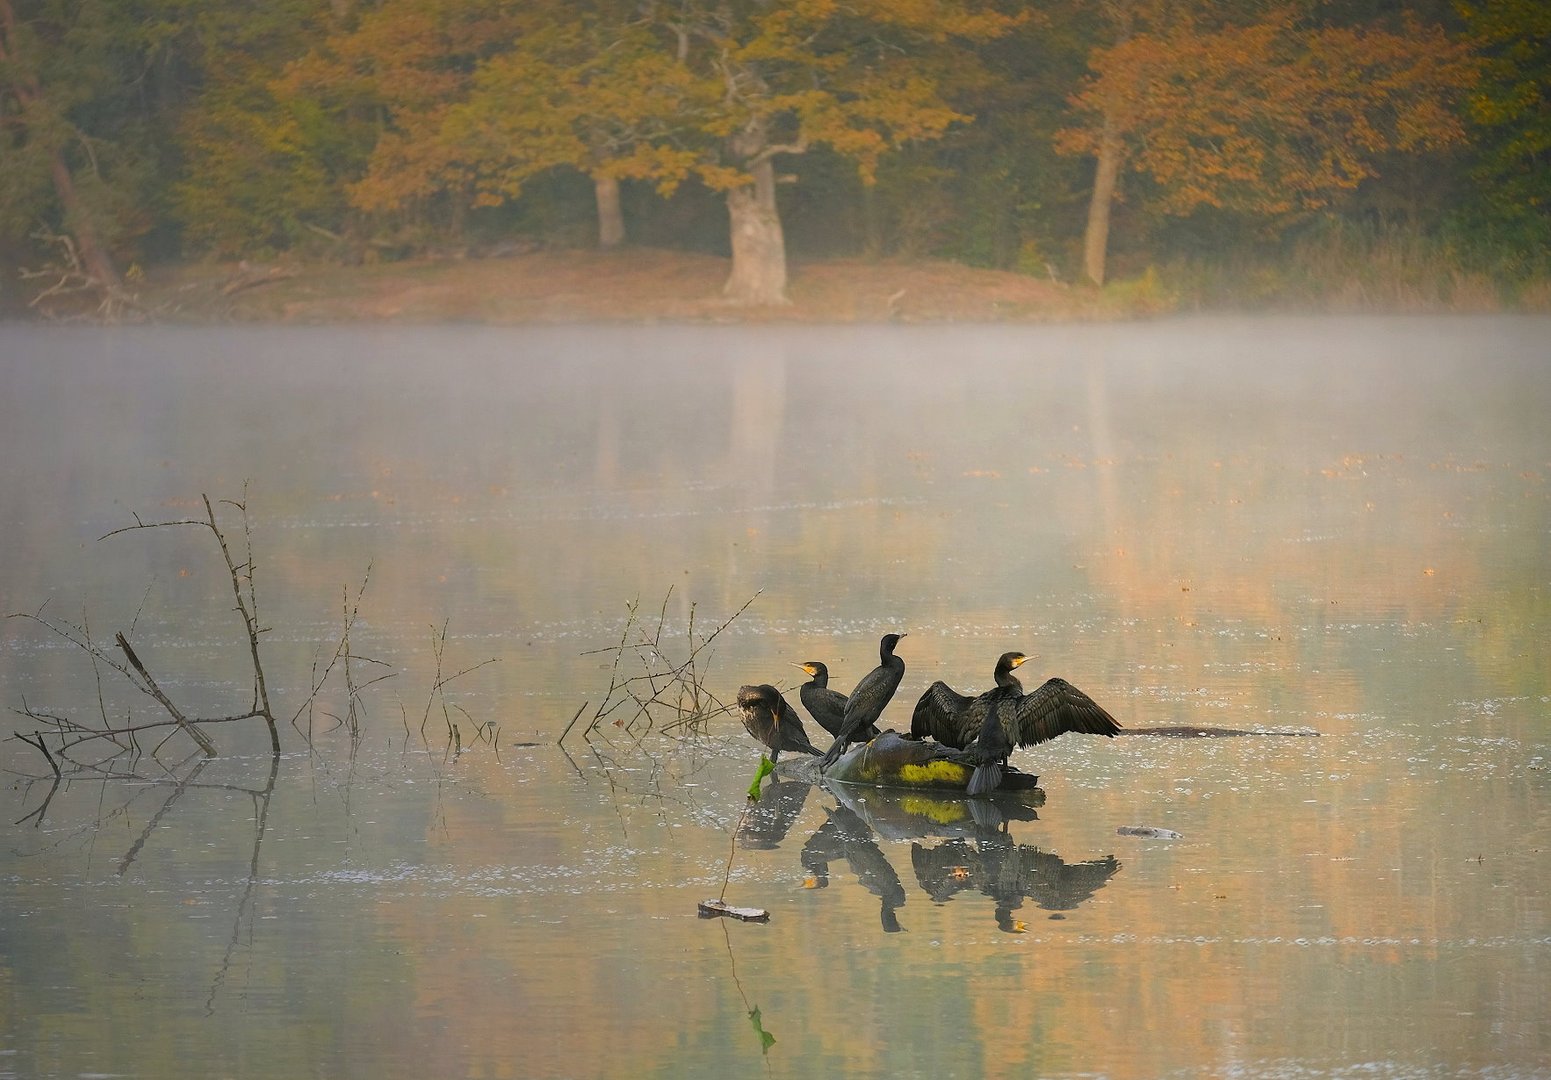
{"x": 94, "y": 258}
{"x": 758, "y": 244}
{"x": 611, "y": 219}
{"x": 1095, "y": 242}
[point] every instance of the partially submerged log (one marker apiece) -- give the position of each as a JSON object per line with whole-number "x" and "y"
{"x": 893, "y": 761}
{"x": 1192, "y": 731}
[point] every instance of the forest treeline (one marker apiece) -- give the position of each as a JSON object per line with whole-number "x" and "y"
{"x": 1076, "y": 139}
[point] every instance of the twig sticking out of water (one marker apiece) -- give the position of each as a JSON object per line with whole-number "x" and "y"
{"x": 343, "y": 657}
{"x": 438, "y": 696}
{"x": 652, "y": 688}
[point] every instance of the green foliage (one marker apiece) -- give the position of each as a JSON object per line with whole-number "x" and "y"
{"x": 76, "y": 82}
{"x": 1510, "y": 116}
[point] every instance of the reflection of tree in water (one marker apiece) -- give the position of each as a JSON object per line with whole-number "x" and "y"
{"x": 1008, "y": 873}
{"x": 846, "y": 836}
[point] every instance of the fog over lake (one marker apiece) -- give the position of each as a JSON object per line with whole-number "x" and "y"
{"x": 1338, "y": 526}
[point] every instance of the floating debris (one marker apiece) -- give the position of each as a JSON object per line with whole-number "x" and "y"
{"x": 711, "y": 909}
{"x": 1149, "y": 832}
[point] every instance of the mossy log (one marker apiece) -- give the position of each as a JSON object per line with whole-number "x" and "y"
{"x": 893, "y": 761}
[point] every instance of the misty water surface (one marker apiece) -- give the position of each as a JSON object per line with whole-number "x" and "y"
{"x": 1333, "y": 525}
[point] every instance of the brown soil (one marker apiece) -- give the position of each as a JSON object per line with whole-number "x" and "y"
{"x": 638, "y": 285}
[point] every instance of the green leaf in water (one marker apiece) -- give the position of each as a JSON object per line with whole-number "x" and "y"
{"x": 766, "y": 1040}
{"x": 766, "y": 767}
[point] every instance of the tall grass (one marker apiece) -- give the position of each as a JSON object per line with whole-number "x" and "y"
{"x": 1344, "y": 266}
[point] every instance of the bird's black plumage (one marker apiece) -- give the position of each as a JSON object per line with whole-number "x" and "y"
{"x": 867, "y": 699}
{"x": 1005, "y": 718}
{"x": 939, "y": 715}
{"x": 826, "y": 706}
{"x": 772, "y": 721}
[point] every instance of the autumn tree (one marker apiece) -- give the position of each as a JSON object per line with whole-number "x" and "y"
{"x": 860, "y": 78}
{"x": 1268, "y": 118}
{"x": 263, "y": 167}
{"x": 480, "y": 97}
{"x": 576, "y": 85}
{"x": 384, "y": 82}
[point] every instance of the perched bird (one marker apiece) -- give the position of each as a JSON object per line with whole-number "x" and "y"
{"x": 826, "y": 706}
{"x": 772, "y": 721}
{"x": 943, "y": 713}
{"x": 867, "y": 699}
{"x": 1005, "y": 717}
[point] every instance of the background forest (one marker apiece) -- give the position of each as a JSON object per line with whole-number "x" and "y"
{"x": 1236, "y": 151}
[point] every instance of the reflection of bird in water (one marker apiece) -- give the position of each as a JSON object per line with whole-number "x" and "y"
{"x": 772, "y": 721}
{"x": 845, "y": 835}
{"x": 827, "y": 706}
{"x": 1008, "y": 874}
{"x": 946, "y": 869}
{"x": 1005, "y": 717}
{"x": 868, "y": 698}
{"x": 768, "y": 821}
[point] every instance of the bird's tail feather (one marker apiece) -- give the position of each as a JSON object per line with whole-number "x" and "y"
{"x": 986, "y": 778}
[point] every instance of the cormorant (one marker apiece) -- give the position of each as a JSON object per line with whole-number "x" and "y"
{"x": 826, "y": 706}
{"x": 944, "y": 714}
{"x": 1005, "y": 717}
{"x": 772, "y": 721}
{"x": 868, "y": 699}
{"x": 940, "y": 714}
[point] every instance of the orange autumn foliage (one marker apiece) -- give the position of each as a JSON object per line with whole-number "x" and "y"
{"x": 1270, "y": 117}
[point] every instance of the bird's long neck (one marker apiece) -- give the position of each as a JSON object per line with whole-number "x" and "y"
{"x": 1007, "y": 680}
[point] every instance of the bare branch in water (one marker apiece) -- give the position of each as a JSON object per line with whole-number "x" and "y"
{"x": 669, "y": 692}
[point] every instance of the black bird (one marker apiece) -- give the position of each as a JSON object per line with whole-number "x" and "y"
{"x": 943, "y": 712}
{"x": 826, "y": 706}
{"x": 772, "y": 721}
{"x": 1005, "y": 717}
{"x": 940, "y": 715}
{"x": 868, "y": 699}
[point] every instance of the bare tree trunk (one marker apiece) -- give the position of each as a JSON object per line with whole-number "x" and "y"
{"x": 1095, "y": 242}
{"x": 758, "y": 244}
{"x": 78, "y": 222}
{"x": 611, "y": 219}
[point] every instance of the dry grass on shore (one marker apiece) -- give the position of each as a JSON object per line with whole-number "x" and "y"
{"x": 638, "y": 285}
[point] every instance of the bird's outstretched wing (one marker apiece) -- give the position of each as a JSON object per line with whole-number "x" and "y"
{"x": 1053, "y": 709}
{"x": 940, "y": 714}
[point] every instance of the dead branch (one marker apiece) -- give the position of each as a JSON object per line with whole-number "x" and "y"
{"x": 668, "y": 693}
{"x": 155, "y": 691}
{"x": 70, "y": 278}
{"x": 248, "y": 277}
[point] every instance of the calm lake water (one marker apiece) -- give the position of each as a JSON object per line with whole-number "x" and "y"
{"x": 1339, "y": 526}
